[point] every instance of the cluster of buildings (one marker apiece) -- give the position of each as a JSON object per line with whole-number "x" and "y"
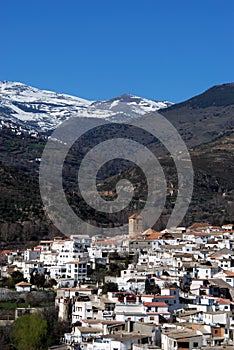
{"x": 176, "y": 294}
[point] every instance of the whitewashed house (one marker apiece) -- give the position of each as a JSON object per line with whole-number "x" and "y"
{"x": 227, "y": 276}
{"x": 23, "y": 287}
{"x": 30, "y": 254}
{"x": 181, "y": 339}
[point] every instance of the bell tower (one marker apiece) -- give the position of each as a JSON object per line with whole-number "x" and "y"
{"x": 135, "y": 225}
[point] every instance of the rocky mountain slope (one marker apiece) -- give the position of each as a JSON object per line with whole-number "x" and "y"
{"x": 206, "y": 124}
{"x": 213, "y": 194}
{"x": 203, "y": 118}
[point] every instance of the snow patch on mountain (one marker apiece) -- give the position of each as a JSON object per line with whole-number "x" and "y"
{"x": 41, "y": 110}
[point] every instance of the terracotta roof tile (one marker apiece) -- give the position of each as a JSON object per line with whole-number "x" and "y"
{"x": 197, "y": 225}
{"x": 23, "y": 284}
{"x": 155, "y": 303}
{"x": 229, "y": 273}
{"x": 5, "y": 252}
{"x": 135, "y": 216}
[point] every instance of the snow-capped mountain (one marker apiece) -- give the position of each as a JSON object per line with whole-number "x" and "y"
{"x": 126, "y": 107}
{"x": 25, "y": 108}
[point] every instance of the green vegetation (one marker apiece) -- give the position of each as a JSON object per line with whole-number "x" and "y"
{"x": 206, "y": 119}
{"x": 151, "y": 287}
{"x": 116, "y": 264}
{"x": 109, "y": 287}
{"x": 34, "y": 331}
{"x": 11, "y": 305}
{"x": 29, "y": 332}
{"x": 15, "y": 277}
{"x": 37, "y": 279}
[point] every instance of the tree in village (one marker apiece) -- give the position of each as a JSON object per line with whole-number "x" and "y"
{"x": 151, "y": 287}
{"x": 15, "y": 277}
{"x": 55, "y": 327}
{"x": 51, "y": 283}
{"x": 5, "y": 332}
{"x": 37, "y": 279}
{"x": 109, "y": 287}
{"x": 29, "y": 332}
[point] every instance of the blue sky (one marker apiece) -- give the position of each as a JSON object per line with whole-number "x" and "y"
{"x": 100, "y": 49}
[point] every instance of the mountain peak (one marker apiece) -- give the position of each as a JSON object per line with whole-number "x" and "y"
{"x": 7, "y": 85}
{"x": 126, "y": 98}
{"x": 218, "y": 95}
{"x": 221, "y": 95}
{"x": 43, "y": 110}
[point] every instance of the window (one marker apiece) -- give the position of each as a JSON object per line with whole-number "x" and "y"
{"x": 195, "y": 345}
{"x": 228, "y": 280}
{"x": 151, "y": 318}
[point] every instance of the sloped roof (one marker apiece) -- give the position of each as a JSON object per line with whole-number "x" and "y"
{"x": 5, "y": 252}
{"x": 103, "y": 322}
{"x": 222, "y": 301}
{"x": 152, "y": 235}
{"x": 155, "y": 304}
{"x": 229, "y": 273}
{"x": 223, "y": 251}
{"x": 149, "y": 232}
{"x": 219, "y": 282}
{"x": 89, "y": 329}
{"x": 135, "y": 216}
{"x": 182, "y": 334}
{"x": 23, "y": 284}
{"x": 197, "y": 225}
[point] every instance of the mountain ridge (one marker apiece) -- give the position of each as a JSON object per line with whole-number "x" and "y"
{"x": 35, "y": 110}
{"x": 208, "y": 132}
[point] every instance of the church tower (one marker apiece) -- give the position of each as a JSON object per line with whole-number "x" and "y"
{"x": 135, "y": 225}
